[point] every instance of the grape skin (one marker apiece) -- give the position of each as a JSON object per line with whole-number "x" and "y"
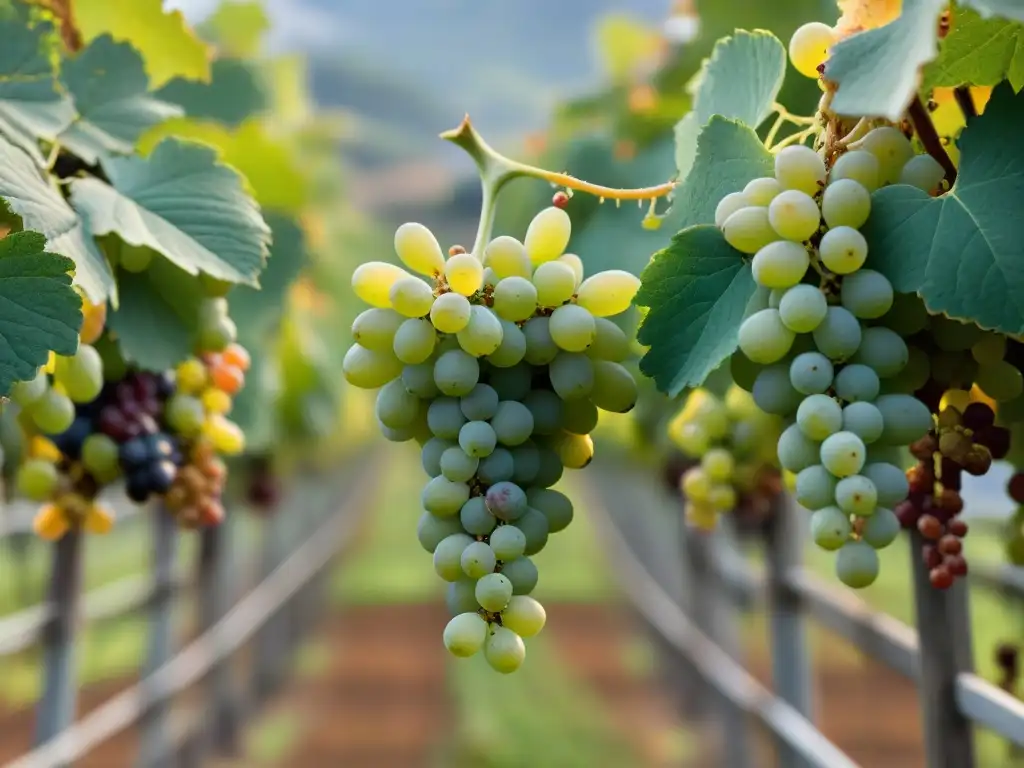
{"x": 857, "y": 564}
{"x": 830, "y": 528}
{"x": 802, "y": 308}
{"x": 819, "y": 416}
{"x": 808, "y": 47}
{"x": 815, "y": 487}
{"x": 843, "y": 250}
{"x": 867, "y": 294}
{"x": 774, "y": 393}
{"x": 857, "y": 383}
{"x": 796, "y": 450}
{"x": 728, "y": 205}
{"x": 859, "y": 166}
{"x": 794, "y": 215}
{"x": 846, "y": 202}
{"x": 781, "y": 264}
{"x": 838, "y": 336}
{"x": 762, "y": 191}
{"x": 764, "y": 338}
{"x": 799, "y": 167}
{"x": 748, "y": 230}
{"x": 843, "y": 454}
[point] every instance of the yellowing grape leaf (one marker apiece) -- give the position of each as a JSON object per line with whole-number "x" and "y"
{"x": 237, "y": 28}
{"x": 625, "y": 43}
{"x": 168, "y": 46}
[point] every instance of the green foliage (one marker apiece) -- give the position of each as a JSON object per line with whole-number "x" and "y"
{"x": 877, "y": 70}
{"x": 697, "y": 290}
{"x": 166, "y": 202}
{"x": 741, "y": 80}
{"x": 40, "y": 311}
{"x": 979, "y": 51}
{"x": 235, "y": 92}
{"x": 961, "y": 252}
{"x": 237, "y": 28}
{"x": 111, "y": 96}
{"x": 1009, "y": 9}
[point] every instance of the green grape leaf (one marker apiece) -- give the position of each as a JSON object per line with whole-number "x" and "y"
{"x": 236, "y": 91}
{"x": 182, "y": 203}
{"x": 740, "y": 80}
{"x": 32, "y": 106}
{"x": 962, "y": 251}
{"x": 1008, "y": 9}
{"x": 168, "y": 46}
{"x": 39, "y": 310}
{"x": 110, "y": 91}
{"x": 156, "y": 319}
{"x": 238, "y": 28}
{"x": 978, "y": 51}
{"x": 697, "y": 290}
{"x": 878, "y": 71}
{"x": 30, "y": 195}
{"x": 729, "y": 154}
{"x": 256, "y": 311}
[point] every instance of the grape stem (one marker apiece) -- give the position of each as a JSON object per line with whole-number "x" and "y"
{"x": 925, "y": 130}
{"x": 496, "y": 171}
{"x": 796, "y": 138}
{"x": 965, "y": 101}
{"x": 784, "y": 116}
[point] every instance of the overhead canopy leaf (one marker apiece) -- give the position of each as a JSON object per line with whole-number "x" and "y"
{"x": 236, "y": 91}
{"x": 237, "y": 28}
{"x": 1008, "y": 9}
{"x": 39, "y": 310}
{"x": 697, "y": 291}
{"x": 111, "y": 96}
{"x": 182, "y": 203}
{"x": 962, "y": 252}
{"x": 978, "y": 51}
{"x": 29, "y": 194}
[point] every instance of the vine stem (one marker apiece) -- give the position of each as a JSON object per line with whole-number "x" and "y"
{"x": 496, "y": 171}
{"x": 965, "y": 101}
{"x": 925, "y": 130}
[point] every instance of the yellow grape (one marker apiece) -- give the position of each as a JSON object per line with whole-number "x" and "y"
{"x": 226, "y": 436}
{"x": 50, "y": 522}
{"x": 418, "y": 249}
{"x": 809, "y": 47}
{"x": 722, "y": 498}
{"x": 191, "y": 376}
{"x": 99, "y": 519}
{"x": 411, "y": 297}
{"x": 51, "y": 363}
{"x": 465, "y": 273}
{"x": 94, "y": 316}
{"x": 608, "y": 293}
{"x": 575, "y": 263}
{"x": 43, "y": 448}
{"x": 372, "y": 282}
{"x": 216, "y": 401}
{"x": 701, "y": 516}
{"x": 696, "y": 485}
{"x": 547, "y": 235}
{"x": 507, "y": 257}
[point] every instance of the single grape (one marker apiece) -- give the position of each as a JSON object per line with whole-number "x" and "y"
{"x": 395, "y": 406}
{"x": 477, "y": 439}
{"x": 547, "y": 410}
{"x": 696, "y": 485}
{"x": 512, "y": 348}
{"x": 475, "y": 518}
{"x": 722, "y": 498}
{"x": 608, "y": 293}
{"x": 923, "y": 172}
{"x": 802, "y": 308}
{"x": 1001, "y": 381}
{"x": 890, "y": 482}
{"x": 857, "y": 564}
{"x": 526, "y": 463}
{"x": 838, "y": 335}
{"x": 881, "y": 529}
{"x": 989, "y": 349}
{"x": 799, "y": 167}
{"x": 493, "y": 591}
{"x": 418, "y": 249}
{"x": 718, "y": 465}
{"x": 843, "y": 250}
{"x": 478, "y": 559}
{"x": 81, "y": 374}
{"x": 615, "y": 390}
{"x": 483, "y": 334}
{"x": 856, "y": 383}
{"x": 522, "y": 573}
{"x": 442, "y": 497}
{"x": 819, "y": 416}
{"x": 524, "y": 616}
{"x": 809, "y": 46}
{"x": 375, "y": 328}
{"x": 480, "y": 404}
{"x": 811, "y": 373}
{"x": 764, "y": 338}
{"x": 830, "y": 528}
{"x": 432, "y": 530}
{"x": 555, "y": 282}
{"x": 555, "y": 506}
{"x": 448, "y": 556}
{"x": 411, "y": 297}
{"x": 892, "y": 149}
{"x": 504, "y": 650}
{"x": 100, "y": 457}
{"x": 906, "y": 419}
{"x": 815, "y": 487}
{"x": 575, "y": 263}
{"x": 465, "y": 634}
{"x": 575, "y": 451}
{"x": 506, "y": 501}
{"x": 728, "y": 205}
{"x": 610, "y": 341}
{"x": 185, "y": 415}
{"x": 24, "y": 393}
{"x": 514, "y": 422}
{"x": 507, "y": 257}
{"x": 796, "y": 451}
{"x": 781, "y": 264}
{"x": 415, "y": 341}
{"x": 572, "y": 328}
{"x": 450, "y": 312}
{"x": 571, "y": 375}
{"x": 774, "y": 393}
{"x": 867, "y": 294}
{"x": 460, "y": 597}
{"x": 464, "y": 273}
{"x": 445, "y": 418}
{"x": 37, "y": 479}
{"x": 52, "y": 413}
{"x": 794, "y": 215}
{"x": 846, "y": 203}
{"x": 547, "y": 235}
{"x": 762, "y": 191}
{"x": 907, "y": 315}
{"x": 540, "y": 346}
{"x": 859, "y": 166}
{"x": 508, "y": 542}
{"x": 882, "y": 350}
{"x": 864, "y": 420}
{"x": 856, "y": 495}
{"x": 843, "y": 454}
{"x": 457, "y": 465}
{"x": 456, "y": 373}
{"x": 748, "y": 230}
{"x": 515, "y": 299}
{"x": 372, "y": 282}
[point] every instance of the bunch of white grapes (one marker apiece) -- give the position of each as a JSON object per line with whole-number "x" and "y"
{"x": 734, "y": 440}
{"x": 819, "y": 353}
{"x": 496, "y": 364}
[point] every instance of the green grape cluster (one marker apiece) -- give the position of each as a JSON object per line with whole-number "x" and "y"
{"x": 735, "y": 443}
{"x": 496, "y": 364}
{"x": 819, "y": 351}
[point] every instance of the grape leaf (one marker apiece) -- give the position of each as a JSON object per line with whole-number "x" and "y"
{"x": 41, "y": 207}
{"x": 182, "y": 203}
{"x": 962, "y": 252}
{"x": 980, "y": 52}
{"x": 878, "y": 71}
{"x": 39, "y": 310}
{"x": 740, "y": 80}
{"x": 697, "y": 290}
{"x": 1008, "y": 9}
{"x": 32, "y": 106}
{"x": 237, "y": 28}
{"x": 155, "y": 322}
{"x": 236, "y": 91}
{"x": 169, "y": 48}
{"x": 110, "y": 91}
{"x": 729, "y": 154}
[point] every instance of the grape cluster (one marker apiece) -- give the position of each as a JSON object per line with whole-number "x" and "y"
{"x": 735, "y": 443}
{"x": 821, "y": 354}
{"x": 496, "y": 364}
{"x": 195, "y": 494}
